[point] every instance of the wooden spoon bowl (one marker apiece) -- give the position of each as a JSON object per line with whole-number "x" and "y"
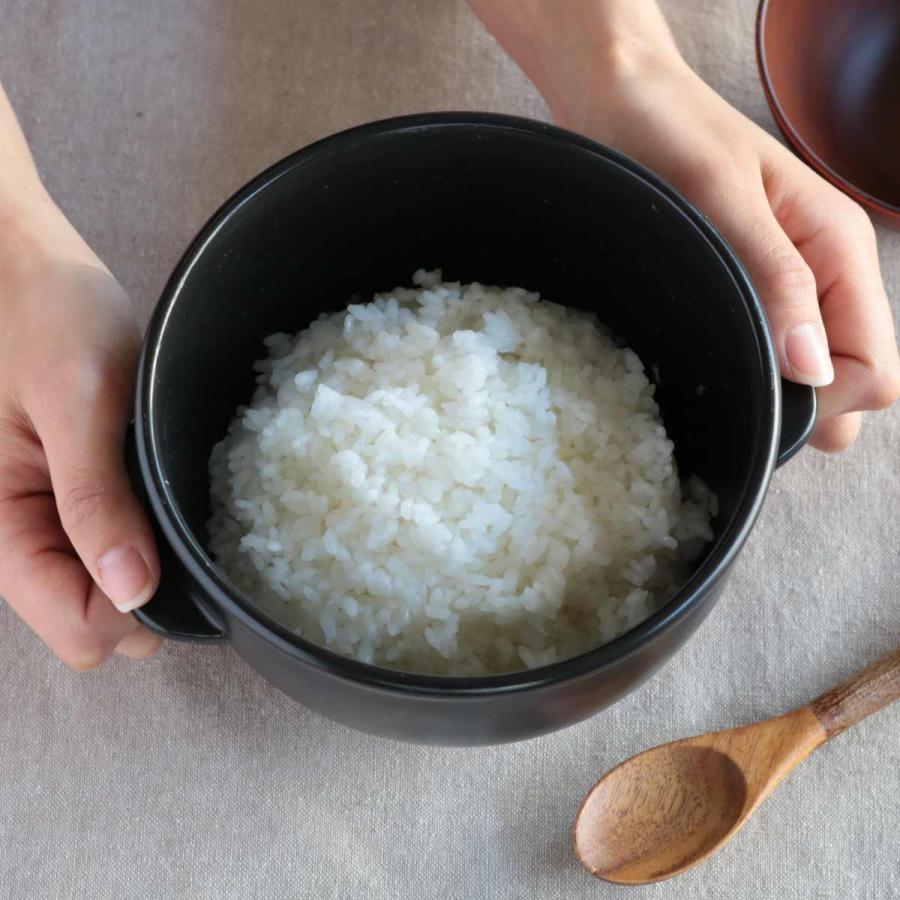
{"x": 705, "y": 790}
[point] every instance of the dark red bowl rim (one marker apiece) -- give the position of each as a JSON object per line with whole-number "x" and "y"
{"x": 794, "y": 138}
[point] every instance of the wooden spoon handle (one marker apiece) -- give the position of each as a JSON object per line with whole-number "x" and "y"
{"x": 866, "y": 692}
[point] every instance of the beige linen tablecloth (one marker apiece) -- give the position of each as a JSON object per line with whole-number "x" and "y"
{"x": 188, "y": 776}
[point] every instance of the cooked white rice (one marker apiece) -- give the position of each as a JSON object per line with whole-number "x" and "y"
{"x": 455, "y": 479}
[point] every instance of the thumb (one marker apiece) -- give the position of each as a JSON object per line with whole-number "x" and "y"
{"x": 786, "y": 284}
{"x": 83, "y": 434}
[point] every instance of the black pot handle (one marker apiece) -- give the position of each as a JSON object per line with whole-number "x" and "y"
{"x": 798, "y": 418}
{"x": 174, "y": 612}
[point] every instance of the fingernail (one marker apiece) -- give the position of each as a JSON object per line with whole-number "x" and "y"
{"x": 125, "y": 578}
{"x": 807, "y": 355}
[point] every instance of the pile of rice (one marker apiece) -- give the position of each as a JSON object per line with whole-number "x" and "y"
{"x": 454, "y": 479}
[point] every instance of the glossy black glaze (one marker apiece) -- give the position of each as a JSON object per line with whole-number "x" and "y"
{"x": 488, "y": 198}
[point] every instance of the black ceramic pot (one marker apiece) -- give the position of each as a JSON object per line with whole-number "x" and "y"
{"x": 489, "y": 198}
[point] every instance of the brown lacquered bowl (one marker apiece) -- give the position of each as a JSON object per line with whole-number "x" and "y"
{"x": 831, "y": 73}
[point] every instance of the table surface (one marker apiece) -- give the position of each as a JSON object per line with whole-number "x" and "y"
{"x": 188, "y": 776}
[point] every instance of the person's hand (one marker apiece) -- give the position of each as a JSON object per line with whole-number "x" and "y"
{"x": 609, "y": 69}
{"x": 76, "y": 551}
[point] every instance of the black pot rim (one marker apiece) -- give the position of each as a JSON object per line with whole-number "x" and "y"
{"x": 193, "y": 556}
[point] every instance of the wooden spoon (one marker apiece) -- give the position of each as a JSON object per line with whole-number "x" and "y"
{"x": 667, "y": 809}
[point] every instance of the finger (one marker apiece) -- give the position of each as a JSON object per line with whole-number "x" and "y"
{"x": 858, "y": 319}
{"x": 786, "y": 284}
{"x": 837, "y": 239}
{"x": 837, "y": 433}
{"x": 858, "y": 385}
{"x": 83, "y": 431}
{"x": 45, "y": 583}
{"x": 139, "y": 644}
